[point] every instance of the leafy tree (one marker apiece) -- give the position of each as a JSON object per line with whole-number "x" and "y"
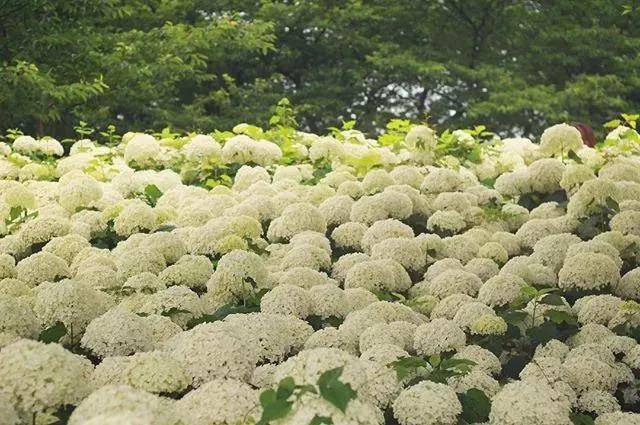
{"x": 201, "y": 64}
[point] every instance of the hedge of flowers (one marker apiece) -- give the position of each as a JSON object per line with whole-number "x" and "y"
{"x": 280, "y": 277}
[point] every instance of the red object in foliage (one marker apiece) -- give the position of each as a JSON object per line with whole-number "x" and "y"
{"x": 588, "y": 136}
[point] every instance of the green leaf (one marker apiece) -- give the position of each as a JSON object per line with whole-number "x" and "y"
{"x": 335, "y": 391}
{"x": 515, "y": 317}
{"x": 15, "y": 212}
{"x": 514, "y": 365}
{"x": 581, "y": 419}
{"x": 543, "y": 333}
{"x": 165, "y": 228}
{"x": 559, "y": 317}
{"x": 173, "y": 311}
{"x": 321, "y": 420}
{"x": 574, "y": 156}
{"x": 552, "y": 299}
{"x": 613, "y": 204}
{"x": 319, "y": 322}
{"x": 435, "y": 360}
{"x": 53, "y": 333}
{"x": 475, "y": 406}
{"x": 273, "y": 407}
{"x": 306, "y": 389}
{"x": 389, "y": 296}
{"x": 489, "y": 182}
{"x": 221, "y": 313}
{"x": 63, "y": 414}
{"x": 152, "y": 193}
{"x": 406, "y": 366}
{"x": 286, "y": 387}
{"x": 612, "y": 123}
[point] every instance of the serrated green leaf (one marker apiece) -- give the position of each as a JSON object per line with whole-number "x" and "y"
{"x": 334, "y": 391}
{"x": 53, "y": 333}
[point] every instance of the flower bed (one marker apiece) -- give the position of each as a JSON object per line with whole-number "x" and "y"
{"x": 280, "y": 277}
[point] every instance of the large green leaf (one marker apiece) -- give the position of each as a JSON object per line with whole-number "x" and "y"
{"x": 335, "y": 391}
{"x": 53, "y": 333}
{"x": 476, "y": 406}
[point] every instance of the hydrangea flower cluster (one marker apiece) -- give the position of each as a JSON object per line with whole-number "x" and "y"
{"x": 240, "y": 278}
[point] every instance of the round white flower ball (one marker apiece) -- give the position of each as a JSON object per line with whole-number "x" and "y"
{"x": 41, "y": 377}
{"x": 427, "y": 403}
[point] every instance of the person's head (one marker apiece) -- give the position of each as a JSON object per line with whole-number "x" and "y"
{"x": 588, "y": 136}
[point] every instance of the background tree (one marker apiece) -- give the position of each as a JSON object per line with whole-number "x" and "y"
{"x": 516, "y": 66}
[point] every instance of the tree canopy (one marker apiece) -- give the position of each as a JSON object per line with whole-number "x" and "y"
{"x": 513, "y": 65}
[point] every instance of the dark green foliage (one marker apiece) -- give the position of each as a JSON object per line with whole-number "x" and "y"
{"x": 53, "y": 333}
{"x": 250, "y": 305}
{"x": 277, "y": 403}
{"x": 581, "y": 419}
{"x": 199, "y": 65}
{"x": 152, "y": 194}
{"x": 433, "y": 368}
{"x": 475, "y": 406}
{"x": 334, "y": 390}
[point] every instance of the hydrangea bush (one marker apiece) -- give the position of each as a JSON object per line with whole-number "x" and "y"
{"x": 279, "y": 277}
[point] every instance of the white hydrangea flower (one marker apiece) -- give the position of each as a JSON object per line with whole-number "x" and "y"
{"x": 560, "y": 139}
{"x": 192, "y": 271}
{"x": 453, "y": 281}
{"x": 296, "y": 218}
{"x": 438, "y": 336}
{"x": 545, "y": 175}
{"x": 142, "y": 150}
{"x": 501, "y": 290}
{"x": 117, "y": 333}
{"x": 618, "y": 418}
{"x": 214, "y": 350}
{"x": 598, "y": 402}
{"x": 446, "y": 222}
{"x": 73, "y": 303}
{"x": 528, "y": 402}
{"x": 588, "y": 271}
{"x": 41, "y": 377}
{"x": 155, "y": 372}
{"x": 7, "y": 266}
{"x": 114, "y": 400}
{"x": 18, "y": 318}
{"x": 427, "y": 403}
{"x": 224, "y": 401}
{"x": 378, "y": 275}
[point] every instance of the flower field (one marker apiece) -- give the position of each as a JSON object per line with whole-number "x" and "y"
{"x": 279, "y": 277}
